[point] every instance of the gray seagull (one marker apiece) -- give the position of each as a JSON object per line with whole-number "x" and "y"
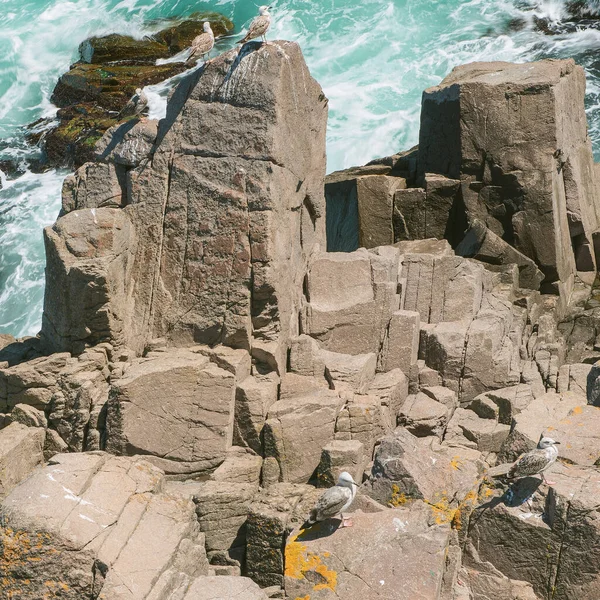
{"x": 536, "y": 461}
{"x": 202, "y": 44}
{"x": 259, "y": 26}
{"x": 136, "y": 106}
{"x": 335, "y": 501}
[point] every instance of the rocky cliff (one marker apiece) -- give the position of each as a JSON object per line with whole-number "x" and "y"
{"x": 206, "y": 366}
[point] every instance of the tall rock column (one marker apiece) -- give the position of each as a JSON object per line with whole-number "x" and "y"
{"x": 226, "y": 210}
{"x": 516, "y": 137}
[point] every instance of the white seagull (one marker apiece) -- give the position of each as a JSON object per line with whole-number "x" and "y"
{"x": 202, "y": 44}
{"x": 335, "y": 501}
{"x": 536, "y": 461}
{"x": 136, "y": 106}
{"x": 259, "y": 26}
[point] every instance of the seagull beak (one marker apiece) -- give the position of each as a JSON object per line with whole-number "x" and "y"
{"x": 557, "y": 442}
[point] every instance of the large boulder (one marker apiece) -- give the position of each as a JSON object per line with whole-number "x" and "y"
{"x": 177, "y": 408}
{"x": 550, "y": 542}
{"x": 501, "y": 166}
{"x": 220, "y": 224}
{"x": 21, "y": 451}
{"x": 390, "y": 555}
{"x": 297, "y": 430}
{"x": 94, "y": 525}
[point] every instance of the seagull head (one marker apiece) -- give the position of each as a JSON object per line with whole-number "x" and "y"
{"x": 206, "y": 27}
{"x": 264, "y": 11}
{"x": 345, "y": 480}
{"x": 138, "y": 91}
{"x": 546, "y": 442}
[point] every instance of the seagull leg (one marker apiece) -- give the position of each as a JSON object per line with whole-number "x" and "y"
{"x": 346, "y": 521}
{"x": 546, "y": 481}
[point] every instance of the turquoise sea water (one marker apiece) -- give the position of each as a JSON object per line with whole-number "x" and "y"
{"x": 372, "y": 57}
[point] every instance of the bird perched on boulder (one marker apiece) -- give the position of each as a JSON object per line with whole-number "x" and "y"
{"x": 335, "y": 501}
{"x": 202, "y": 44}
{"x": 259, "y": 26}
{"x": 536, "y": 461}
{"x": 136, "y": 106}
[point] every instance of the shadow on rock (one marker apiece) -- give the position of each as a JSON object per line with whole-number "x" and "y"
{"x": 318, "y": 530}
{"x": 521, "y": 491}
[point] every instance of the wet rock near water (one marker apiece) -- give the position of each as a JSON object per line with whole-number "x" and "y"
{"x": 97, "y": 87}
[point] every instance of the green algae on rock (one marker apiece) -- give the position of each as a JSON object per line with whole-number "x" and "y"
{"x": 95, "y": 89}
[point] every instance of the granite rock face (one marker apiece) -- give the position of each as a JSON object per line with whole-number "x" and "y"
{"x": 500, "y": 167}
{"x": 196, "y": 328}
{"x": 216, "y": 255}
{"x": 86, "y": 525}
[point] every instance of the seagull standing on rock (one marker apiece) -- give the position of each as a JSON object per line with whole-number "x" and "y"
{"x": 259, "y": 26}
{"x": 536, "y": 461}
{"x": 202, "y": 44}
{"x": 335, "y": 501}
{"x": 136, "y": 106}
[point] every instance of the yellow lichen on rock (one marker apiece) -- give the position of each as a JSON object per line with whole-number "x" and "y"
{"x": 299, "y": 561}
{"x": 398, "y": 498}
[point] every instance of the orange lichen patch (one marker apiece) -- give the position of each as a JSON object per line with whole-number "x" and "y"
{"x": 398, "y": 498}
{"x": 299, "y": 561}
{"x": 307, "y": 597}
{"x": 456, "y": 463}
{"x": 550, "y": 428}
{"x": 576, "y": 411}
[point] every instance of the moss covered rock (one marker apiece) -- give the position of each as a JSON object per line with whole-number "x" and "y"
{"x": 93, "y": 92}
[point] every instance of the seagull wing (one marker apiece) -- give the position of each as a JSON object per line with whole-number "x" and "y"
{"x": 331, "y": 503}
{"x": 258, "y": 27}
{"x": 130, "y": 108}
{"x": 530, "y": 463}
{"x": 202, "y": 44}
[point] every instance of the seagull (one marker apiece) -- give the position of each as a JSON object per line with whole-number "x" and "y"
{"x": 536, "y": 461}
{"x": 136, "y": 105}
{"x": 335, "y": 501}
{"x": 259, "y": 26}
{"x": 202, "y": 44}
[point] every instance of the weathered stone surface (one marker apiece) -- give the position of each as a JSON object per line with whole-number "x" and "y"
{"x": 364, "y": 418}
{"x": 128, "y": 143}
{"x": 566, "y": 418}
{"x": 396, "y": 547}
{"x": 177, "y": 408}
{"x": 305, "y": 357}
{"x": 401, "y": 347}
{"x": 484, "y": 245}
{"x": 558, "y": 552}
{"x": 392, "y": 389}
{"x": 360, "y": 204}
{"x": 94, "y": 185}
{"x": 375, "y": 196}
{"x": 424, "y": 416}
{"x": 510, "y": 196}
{"x": 342, "y": 311}
{"x": 234, "y": 272}
{"x": 358, "y": 371}
{"x": 338, "y": 456}
{"x": 296, "y": 431}
{"x": 89, "y": 259}
{"x": 508, "y": 402}
{"x": 485, "y": 435}
{"x": 28, "y": 415}
{"x": 254, "y": 396}
{"x": 21, "y": 451}
{"x": 274, "y": 513}
{"x": 217, "y": 588}
{"x": 407, "y": 467}
{"x": 87, "y": 525}
{"x": 222, "y": 509}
